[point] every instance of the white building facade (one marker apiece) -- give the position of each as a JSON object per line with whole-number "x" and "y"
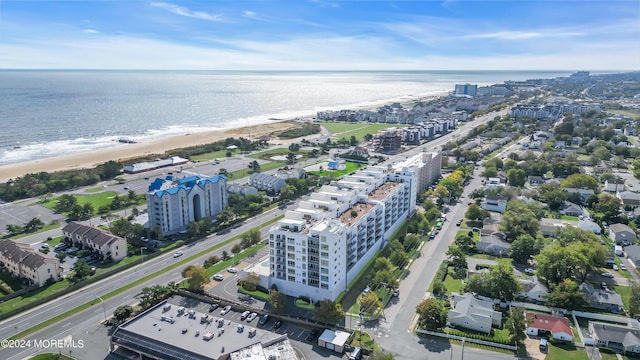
{"x": 319, "y": 247}
{"x": 172, "y": 205}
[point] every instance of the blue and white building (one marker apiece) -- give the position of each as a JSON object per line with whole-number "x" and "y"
{"x": 173, "y": 203}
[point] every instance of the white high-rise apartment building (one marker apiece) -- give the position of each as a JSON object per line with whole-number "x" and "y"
{"x": 319, "y": 247}
{"x": 173, "y": 204}
{"x": 425, "y": 165}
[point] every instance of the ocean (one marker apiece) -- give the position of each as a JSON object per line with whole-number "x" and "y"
{"x": 46, "y": 113}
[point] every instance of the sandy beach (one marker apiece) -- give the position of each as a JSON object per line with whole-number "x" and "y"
{"x": 128, "y": 151}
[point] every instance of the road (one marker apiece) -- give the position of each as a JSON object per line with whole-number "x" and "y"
{"x": 421, "y": 275}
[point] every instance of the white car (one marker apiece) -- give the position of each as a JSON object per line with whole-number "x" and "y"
{"x": 252, "y": 317}
{"x": 615, "y": 267}
{"x": 529, "y": 271}
{"x": 218, "y": 277}
{"x": 245, "y": 315}
{"x": 232, "y": 270}
{"x": 225, "y": 310}
{"x": 178, "y": 253}
{"x": 623, "y": 267}
{"x": 607, "y": 275}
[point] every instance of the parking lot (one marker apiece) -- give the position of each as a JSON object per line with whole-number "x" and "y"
{"x": 21, "y": 213}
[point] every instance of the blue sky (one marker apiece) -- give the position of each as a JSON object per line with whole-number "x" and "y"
{"x": 321, "y": 35}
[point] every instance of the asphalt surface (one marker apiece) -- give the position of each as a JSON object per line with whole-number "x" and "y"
{"x": 83, "y": 324}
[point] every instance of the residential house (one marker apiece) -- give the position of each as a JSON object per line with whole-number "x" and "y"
{"x": 474, "y": 314}
{"x": 535, "y": 180}
{"x": 617, "y": 337}
{"x": 614, "y": 185}
{"x": 493, "y": 244}
{"x": 533, "y": 289}
{"x": 97, "y": 240}
{"x": 494, "y": 182}
{"x": 629, "y": 198}
{"x": 558, "y": 328}
{"x": 622, "y": 234}
{"x": 602, "y": 299}
{"x": 549, "y": 226}
{"x": 22, "y": 261}
{"x": 584, "y": 193}
{"x": 633, "y": 254}
{"x": 495, "y": 203}
{"x": 571, "y": 209}
{"x": 589, "y": 225}
{"x": 269, "y": 183}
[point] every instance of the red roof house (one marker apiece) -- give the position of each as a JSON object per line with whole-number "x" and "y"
{"x": 544, "y": 325}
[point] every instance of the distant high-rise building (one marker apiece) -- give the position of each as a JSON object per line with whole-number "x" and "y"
{"x": 466, "y": 89}
{"x": 173, "y": 204}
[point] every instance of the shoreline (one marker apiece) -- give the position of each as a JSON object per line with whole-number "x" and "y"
{"x": 158, "y": 146}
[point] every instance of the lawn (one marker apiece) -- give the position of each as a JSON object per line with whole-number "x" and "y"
{"x": 453, "y": 285}
{"x": 625, "y": 294}
{"x": 239, "y": 174}
{"x": 255, "y": 293}
{"x": 33, "y": 296}
{"x": 267, "y": 154}
{"x": 350, "y": 167}
{"x": 630, "y": 113}
{"x": 567, "y": 217}
{"x": 340, "y": 130}
{"x": 94, "y": 189}
{"x": 97, "y": 200}
{"x": 363, "y": 340}
{"x": 212, "y": 155}
{"x": 50, "y": 356}
{"x": 304, "y": 305}
{"x": 46, "y": 227}
{"x": 565, "y": 352}
{"x": 11, "y": 282}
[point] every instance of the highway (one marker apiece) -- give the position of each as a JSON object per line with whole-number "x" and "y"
{"x": 411, "y": 287}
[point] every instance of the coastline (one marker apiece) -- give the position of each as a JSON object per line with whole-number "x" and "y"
{"x": 160, "y": 145}
{"x": 127, "y": 151}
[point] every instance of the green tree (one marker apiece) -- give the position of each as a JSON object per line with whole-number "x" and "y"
{"x": 517, "y": 221}
{"x": 152, "y": 295}
{"x": 369, "y": 302}
{"x": 291, "y": 158}
{"x": 439, "y": 288}
{"x": 399, "y": 258}
{"x": 353, "y": 141}
{"x": 381, "y": 264}
{"x": 236, "y": 249}
{"x": 81, "y": 270}
{"x": 516, "y": 325}
{"x": 567, "y": 295}
{"x": 516, "y": 177}
{"x": 328, "y": 312}
{"x": 255, "y": 166}
{"x": 384, "y": 277}
{"x": 474, "y": 212}
{"x": 498, "y": 283}
{"x": 458, "y": 260}
{"x": 464, "y": 242}
{"x": 122, "y": 313}
{"x": 33, "y": 225}
{"x": 411, "y": 241}
{"x": 251, "y": 281}
{"x": 522, "y": 248}
{"x": 634, "y": 299}
{"x": 432, "y": 314}
{"x": 225, "y": 255}
{"x": 65, "y": 203}
{"x": 580, "y": 181}
{"x": 555, "y": 263}
{"x": 108, "y": 170}
{"x": 197, "y": 276}
{"x": 489, "y": 172}
{"x": 14, "y": 229}
{"x": 278, "y": 301}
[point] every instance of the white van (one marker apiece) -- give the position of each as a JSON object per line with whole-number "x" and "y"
{"x": 356, "y": 354}
{"x": 543, "y": 344}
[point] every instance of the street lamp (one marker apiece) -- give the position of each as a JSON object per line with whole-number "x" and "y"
{"x": 141, "y": 256}
{"x": 104, "y": 310}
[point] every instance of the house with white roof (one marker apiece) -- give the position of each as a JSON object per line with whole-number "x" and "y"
{"x": 474, "y": 314}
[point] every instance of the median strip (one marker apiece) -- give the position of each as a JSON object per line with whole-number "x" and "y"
{"x": 142, "y": 280}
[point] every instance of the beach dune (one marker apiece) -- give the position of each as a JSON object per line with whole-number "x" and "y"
{"x": 128, "y": 151}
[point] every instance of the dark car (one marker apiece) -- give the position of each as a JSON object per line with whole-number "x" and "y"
{"x": 312, "y": 335}
{"x": 264, "y": 319}
{"x": 277, "y": 324}
{"x": 213, "y": 307}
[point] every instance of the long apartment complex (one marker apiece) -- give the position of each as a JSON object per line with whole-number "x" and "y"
{"x": 173, "y": 203}
{"x": 21, "y": 260}
{"x": 319, "y": 247}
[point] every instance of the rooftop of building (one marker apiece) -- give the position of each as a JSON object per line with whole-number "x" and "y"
{"x": 177, "y": 338}
{"x": 359, "y": 210}
{"x": 383, "y": 191}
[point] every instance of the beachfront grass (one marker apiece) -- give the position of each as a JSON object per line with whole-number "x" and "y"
{"x": 220, "y": 154}
{"x": 340, "y": 130}
{"x": 239, "y": 174}
{"x": 124, "y": 288}
{"x": 632, "y": 113}
{"x": 349, "y": 167}
{"x": 97, "y": 200}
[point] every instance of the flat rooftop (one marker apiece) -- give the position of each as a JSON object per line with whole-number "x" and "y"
{"x": 152, "y": 335}
{"x": 383, "y": 191}
{"x": 359, "y": 209}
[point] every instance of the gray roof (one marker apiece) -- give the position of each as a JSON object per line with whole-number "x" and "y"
{"x": 633, "y": 252}
{"x": 616, "y": 333}
{"x": 601, "y": 297}
{"x": 166, "y": 340}
{"x": 24, "y": 254}
{"x": 619, "y": 228}
{"x": 95, "y": 235}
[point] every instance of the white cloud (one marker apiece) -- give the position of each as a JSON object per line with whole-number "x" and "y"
{"x": 248, "y": 14}
{"x": 184, "y": 11}
{"x": 90, "y": 31}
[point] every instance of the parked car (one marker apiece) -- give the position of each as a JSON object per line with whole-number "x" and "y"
{"x": 529, "y": 271}
{"x": 218, "y": 277}
{"x": 225, "y": 310}
{"x": 615, "y": 267}
{"x": 366, "y": 290}
{"x": 45, "y": 246}
{"x": 213, "y": 307}
{"x": 312, "y": 335}
{"x": 245, "y": 315}
{"x": 264, "y": 319}
{"x": 607, "y": 275}
{"x": 623, "y": 267}
{"x": 396, "y": 292}
{"x": 459, "y": 222}
{"x": 277, "y": 324}
{"x": 232, "y": 270}
{"x": 178, "y": 253}
{"x": 252, "y": 316}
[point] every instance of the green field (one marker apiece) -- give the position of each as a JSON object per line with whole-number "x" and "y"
{"x": 630, "y": 113}
{"x": 350, "y": 167}
{"x": 97, "y": 200}
{"x": 565, "y": 352}
{"x": 212, "y": 155}
{"x": 340, "y": 130}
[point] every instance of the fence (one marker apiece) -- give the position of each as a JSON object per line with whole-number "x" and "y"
{"x": 466, "y": 339}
